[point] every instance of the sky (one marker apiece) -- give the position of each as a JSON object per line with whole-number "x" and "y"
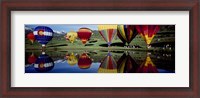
{"x": 64, "y": 27}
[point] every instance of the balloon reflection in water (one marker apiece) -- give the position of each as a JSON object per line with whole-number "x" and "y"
{"x": 126, "y": 33}
{"x": 44, "y": 63}
{"x": 31, "y": 37}
{"x": 108, "y": 32}
{"x": 147, "y": 66}
{"x": 84, "y": 61}
{"x": 72, "y": 59}
{"x": 43, "y": 34}
{"x": 32, "y": 58}
{"x": 108, "y": 65}
{"x": 84, "y": 34}
{"x": 71, "y": 36}
{"x": 126, "y": 64}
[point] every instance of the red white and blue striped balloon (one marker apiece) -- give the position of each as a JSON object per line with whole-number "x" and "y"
{"x": 43, "y": 34}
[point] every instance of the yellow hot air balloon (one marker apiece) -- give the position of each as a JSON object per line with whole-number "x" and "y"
{"x": 72, "y": 60}
{"x": 71, "y": 36}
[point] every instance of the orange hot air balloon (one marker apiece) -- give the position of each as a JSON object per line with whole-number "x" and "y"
{"x": 84, "y": 34}
{"x": 84, "y": 62}
{"x": 32, "y": 58}
{"x": 31, "y": 37}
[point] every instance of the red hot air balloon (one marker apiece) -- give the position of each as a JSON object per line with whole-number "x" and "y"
{"x": 32, "y": 58}
{"x": 147, "y": 32}
{"x": 31, "y": 37}
{"x": 84, "y": 34}
{"x": 84, "y": 62}
{"x": 147, "y": 67}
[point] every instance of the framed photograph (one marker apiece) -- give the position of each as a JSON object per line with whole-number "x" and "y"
{"x": 122, "y": 48}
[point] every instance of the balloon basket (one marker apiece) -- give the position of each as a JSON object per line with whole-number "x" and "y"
{"x": 148, "y": 46}
{"x": 43, "y": 48}
{"x": 109, "y": 44}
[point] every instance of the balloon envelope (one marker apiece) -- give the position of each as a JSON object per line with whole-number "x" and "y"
{"x": 72, "y": 60}
{"x": 147, "y": 32}
{"x": 126, "y": 33}
{"x": 84, "y": 61}
{"x": 43, "y": 34}
{"x": 44, "y": 63}
{"x": 126, "y": 64}
{"x": 71, "y": 36}
{"x": 32, "y": 58}
{"x": 108, "y": 32}
{"x": 84, "y": 34}
{"x": 147, "y": 66}
{"x": 31, "y": 37}
{"x": 108, "y": 65}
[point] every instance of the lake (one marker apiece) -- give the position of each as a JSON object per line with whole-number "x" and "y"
{"x": 97, "y": 61}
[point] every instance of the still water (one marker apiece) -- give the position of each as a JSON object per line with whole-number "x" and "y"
{"x": 99, "y": 62}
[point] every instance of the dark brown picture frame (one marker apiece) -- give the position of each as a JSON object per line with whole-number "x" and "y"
{"x": 193, "y": 91}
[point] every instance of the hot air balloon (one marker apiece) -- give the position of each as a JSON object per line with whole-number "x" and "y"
{"x": 31, "y": 37}
{"x": 126, "y": 33}
{"x": 147, "y": 32}
{"x": 44, "y": 63}
{"x": 43, "y": 34}
{"x": 108, "y": 32}
{"x": 72, "y": 60}
{"x": 71, "y": 36}
{"x": 126, "y": 64}
{"x": 84, "y": 61}
{"x": 32, "y": 58}
{"x": 108, "y": 65}
{"x": 84, "y": 34}
{"x": 147, "y": 66}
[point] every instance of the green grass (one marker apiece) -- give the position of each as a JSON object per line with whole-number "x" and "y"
{"x": 62, "y": 45}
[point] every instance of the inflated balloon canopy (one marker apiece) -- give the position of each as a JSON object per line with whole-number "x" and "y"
{"x": 84, "y": 34}
{"x": 108, "y": 32}
{"x": 44, "y": 63}
{"x": 43, "y": 34}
